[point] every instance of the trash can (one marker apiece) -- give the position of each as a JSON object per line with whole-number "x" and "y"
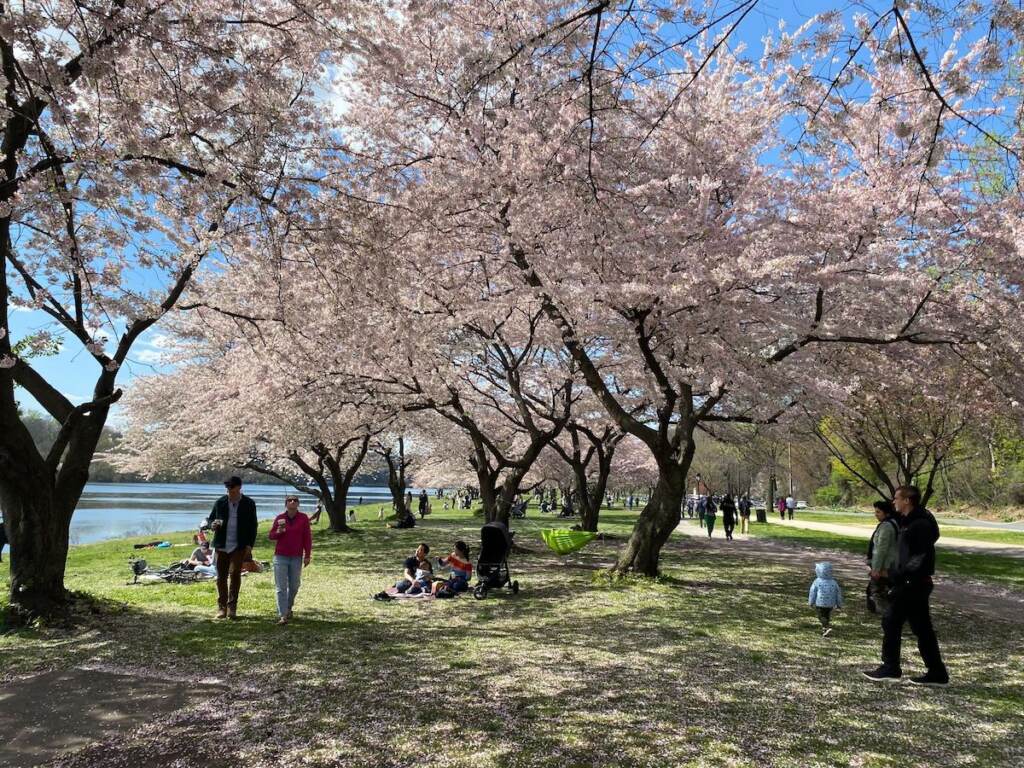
{"x": 762, "y": 514}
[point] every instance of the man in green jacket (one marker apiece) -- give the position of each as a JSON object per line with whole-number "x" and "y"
{"x": 233, "y": 520}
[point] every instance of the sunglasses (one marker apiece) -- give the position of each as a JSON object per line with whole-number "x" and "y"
{"x": 292, "y": 498}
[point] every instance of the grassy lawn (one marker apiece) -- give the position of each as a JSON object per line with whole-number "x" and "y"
{"x": 718, "y": 663}
{"x": 994, "y": 536}
{"x": 1006, "y": 571}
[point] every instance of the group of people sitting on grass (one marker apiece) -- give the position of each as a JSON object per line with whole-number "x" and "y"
{"x": 418, "y": 574}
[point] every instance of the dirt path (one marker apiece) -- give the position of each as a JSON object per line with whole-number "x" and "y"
{"x": 977, "y": 598}
{"x": 945, "y": 542}
{"x": 46, "y": 715}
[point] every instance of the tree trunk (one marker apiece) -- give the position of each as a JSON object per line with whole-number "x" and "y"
{"x": 506, "y": 494}
{"x": 489, "y": 496}
{"x": 37, "y": 519}
{"x": 334, "y": 506}
{"x": 38, "y": 528}
{"x": 657, "y": 521}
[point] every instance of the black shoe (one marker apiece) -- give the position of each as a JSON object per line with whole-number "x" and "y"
{"x": 883, "y": 675}
{"x": 939, "y": 679}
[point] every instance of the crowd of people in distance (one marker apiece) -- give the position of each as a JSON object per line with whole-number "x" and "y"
{"x": 707, "y": 507}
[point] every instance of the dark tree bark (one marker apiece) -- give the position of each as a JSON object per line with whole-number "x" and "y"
{"x": 599, "y": 453}
{"x": 332, "y": 474}
{"x": 394, "y": 456}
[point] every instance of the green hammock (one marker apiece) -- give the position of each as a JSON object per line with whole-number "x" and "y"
{"x": 563, "y": 542}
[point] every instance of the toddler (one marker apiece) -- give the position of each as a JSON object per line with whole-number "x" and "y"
{"x": 825, "y": 595}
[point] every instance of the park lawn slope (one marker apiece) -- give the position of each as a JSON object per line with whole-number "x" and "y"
{"x": 718, "y": 663}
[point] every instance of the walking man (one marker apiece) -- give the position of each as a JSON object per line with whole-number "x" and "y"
{"x": 745, "y": 514}
{"x": 233, "y": 520}
{"x": 790, "y": 505}
{"x": 911, "y": 580}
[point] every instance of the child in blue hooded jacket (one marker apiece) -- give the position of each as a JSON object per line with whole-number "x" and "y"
{"x": 825, "y": 595}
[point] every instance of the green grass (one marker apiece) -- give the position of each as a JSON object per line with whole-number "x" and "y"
{"x": 994, "y": 536}
{"x": 1006, "y": 571}
{"x": 717, "y": 663}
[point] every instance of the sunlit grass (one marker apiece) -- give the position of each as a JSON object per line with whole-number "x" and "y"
{"x": 717, "y": 663}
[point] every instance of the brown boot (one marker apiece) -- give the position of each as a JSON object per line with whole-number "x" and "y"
{"x": 222, "y": 613}
{"x": 232, "y": 613}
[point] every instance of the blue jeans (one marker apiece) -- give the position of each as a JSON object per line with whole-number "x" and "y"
{"x": 287, "y": 577}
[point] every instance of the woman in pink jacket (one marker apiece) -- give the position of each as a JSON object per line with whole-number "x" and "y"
{"x": 294, "y": 548}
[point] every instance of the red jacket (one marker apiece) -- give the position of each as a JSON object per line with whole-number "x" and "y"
{"x": 297, "y": 538}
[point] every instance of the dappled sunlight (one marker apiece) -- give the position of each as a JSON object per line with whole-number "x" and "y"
{"x": 719, "y": 662}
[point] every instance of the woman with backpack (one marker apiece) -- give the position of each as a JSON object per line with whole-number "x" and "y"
{"x": 881, "y": 555}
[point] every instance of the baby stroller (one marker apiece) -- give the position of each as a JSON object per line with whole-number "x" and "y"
{"x": 492, "y": 567}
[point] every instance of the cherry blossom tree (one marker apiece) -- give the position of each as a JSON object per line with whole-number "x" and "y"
{"x": 240, "y": 410}
{"x": 140, "y": 140}
{"x": 652, "y": 196}
{"x": 588, "y": 447}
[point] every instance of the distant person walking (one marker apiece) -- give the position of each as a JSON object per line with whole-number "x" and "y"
{"x": 911, "y": 587}
{"x": 728, "y": 508}
{"x": 790, "y": 505}
{"x": 233, "y": 520}
{"x": 709, "y": 516}
{"x": 702, "y": 507}
{"x": 315, "y": 517}
{"x": 292, "y": 552}
{"x": 781, "y": 506}
{"x": 424, "y": 504}
{"x": 745, "y": 506}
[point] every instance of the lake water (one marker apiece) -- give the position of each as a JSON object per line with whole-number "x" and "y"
{"x": 114, "y": 510}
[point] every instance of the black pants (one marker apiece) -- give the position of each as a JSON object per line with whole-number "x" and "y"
{"x": 825, "y": 616}
{"x": 910, "y": 605}
{"x": 729, "y": 526}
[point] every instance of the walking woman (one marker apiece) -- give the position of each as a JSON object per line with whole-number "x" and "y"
{"x": 728, "y": 516}
{"x": 709, "y": 516}
{"x": 292, "y": 553}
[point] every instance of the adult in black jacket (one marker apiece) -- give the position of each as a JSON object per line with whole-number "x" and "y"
{"x": 728, "y": 508}
{"x": 233, "y": 520}
{"x": 911, "y": 581}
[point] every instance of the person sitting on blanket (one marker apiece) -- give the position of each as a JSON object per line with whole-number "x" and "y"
{"x": 462, "y": 570}
{"x": 409, "y": 572}
{"x": 423, "y": 577}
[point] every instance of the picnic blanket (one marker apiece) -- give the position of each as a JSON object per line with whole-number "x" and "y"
{"x": 392, "y": 592}
{"x": 562, "y": 542}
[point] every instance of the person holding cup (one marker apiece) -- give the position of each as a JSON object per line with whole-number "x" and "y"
{"x": 294, "y": 546}
{"x": 233, "y": 521}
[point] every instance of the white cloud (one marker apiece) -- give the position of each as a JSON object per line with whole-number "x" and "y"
{"x": 149, "y": 356}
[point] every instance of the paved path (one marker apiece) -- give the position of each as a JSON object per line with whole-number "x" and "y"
{"x": 981, "y": 599}
{"x": 962, "y": 522}
{"x": 944, "y": 542}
